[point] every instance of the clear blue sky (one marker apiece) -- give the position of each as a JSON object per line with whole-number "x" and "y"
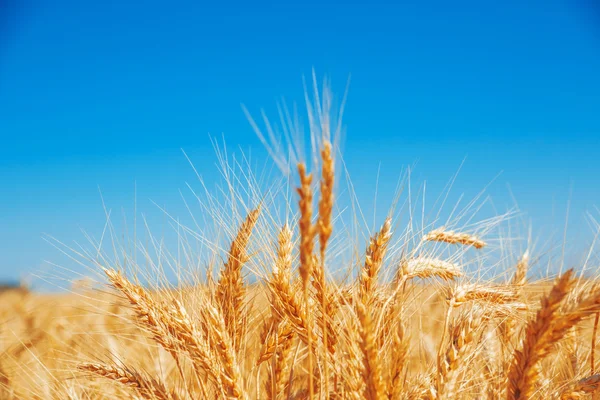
{"x": 106, "y": 93}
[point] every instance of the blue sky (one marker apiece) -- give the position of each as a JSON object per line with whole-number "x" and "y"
{"x": 105, "y": 94}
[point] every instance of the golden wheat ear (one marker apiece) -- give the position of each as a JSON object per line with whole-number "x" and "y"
{"x": 426, "y": 267}
{"x": 277, "y": 336}
{"x": 325, "y": 229}
{"x": 520, "y": 276}
{"x": 483, "y": 293}
{"x": 374, "y": 257}
{"x": 589, "y": 385}
{"x": 442, "y": 235}
{"x": 219, "y": 339}
{"x": 371, "y": 371}
{"x": 536, "y": 345}
{"x": 172, "y": 328}
{"x": 462, "y": 335}
{"x": 519, "y": 280}
{"x": 231, "y": 289}
{"x": 367, "y": 283}
{"x": 148, "y": 312}
{"x": 307, "y": 235}
{"x": 145, "y": 386}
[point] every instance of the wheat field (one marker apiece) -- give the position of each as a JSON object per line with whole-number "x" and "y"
{"x": 293, "y": 307}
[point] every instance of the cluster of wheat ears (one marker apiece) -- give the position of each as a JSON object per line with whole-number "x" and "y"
{"x": 426, "y": 333}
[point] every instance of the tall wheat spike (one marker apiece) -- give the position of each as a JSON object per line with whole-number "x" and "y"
{"x": 326, "y": 200}
{"x": 325, "y": 228}
{"x": 373, "y": 260}
{"x": 230, "y": 288}
{"x": 276, "y": 343}
{"x": 374, "y": 257}
{"x": 307, "y": 234}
